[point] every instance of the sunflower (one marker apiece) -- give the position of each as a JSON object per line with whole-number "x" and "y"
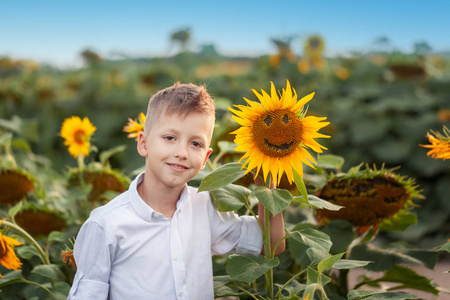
{"x": 314, "y": 46}
{"x": 369, "y": 196}
{"x": 15, "y": 184}
{"x": 7, "y": 256}
{"x": 40, "y": 221}
{"x": 275, "y": 133}
{"x": 134, "y": 127}
{"x": 440, "y": 144}
{"x": 77, "y": 134}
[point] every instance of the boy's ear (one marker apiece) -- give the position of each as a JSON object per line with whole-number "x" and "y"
{"x": 142, "y": 144}
{"x": 206, "y": 158}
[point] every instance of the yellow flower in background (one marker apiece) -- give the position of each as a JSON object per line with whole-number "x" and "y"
{"x": 341, "y": 72}
{"x": 440, "y": 144}
{"x": 275, "y": 133}
{"x": 77, "y": 134}
{"x": 314, "y": 47}
{"x": 304, "y": 66}
{"x": 134, "y": 127}
{"x": 7, "y": 256}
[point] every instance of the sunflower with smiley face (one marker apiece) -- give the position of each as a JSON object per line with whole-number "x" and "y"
{"x": 276, "y": 133}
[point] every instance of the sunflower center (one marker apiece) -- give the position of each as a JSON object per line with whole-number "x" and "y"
{"x": 277, "y": 133}
{"x": 314, "y": 43}
{"x": 80, "y": 136}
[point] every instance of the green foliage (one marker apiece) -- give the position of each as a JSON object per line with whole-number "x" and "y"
{"x": 379, "y": 115}
{"x": 249, "y": 268}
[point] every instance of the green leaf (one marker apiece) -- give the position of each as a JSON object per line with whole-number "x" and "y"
{"x": 315, "y": 277}
{"x": 249, "y": 268}
{"x": 6, "y": 139}
{"x": 400, "y": 221}
{"x": 105, "y": 155}
{"x": 316, "y": 255}
{"x": 312, "y": 238}
{"x": 409, "y": 279}
{"x": 222, "y": 288}
{"x": 27, "y": 252}
{"x": 341, "y": 233}
{"x": 10, "y": 278}
{"x": 15, "y": 209}
{"x": 330, "y": 161}
{"x": 61, "y": 290}
{"x": 56, "y": 236}
{"x": 385, "y": 259}
{"x": 300, "y": 184}
{"x": 328, "y": 263}
{"x": 227, "y": 147}
{"x": 48, "y": 271}
{"x": 378, "y": 295}
{"x": 392, "y": 296}
{"x": 221, "y": 176}
{"x": 445, "y": 247}
{"x": 275, "y": 200}
{"x": 230, "y": 197}
{"x": 311, "y": 290}
{"x": 428, "y": 258}
{"x": 293, "y": 288}
{"x": 322, "y": 204}
{"x": 350, "y": 264}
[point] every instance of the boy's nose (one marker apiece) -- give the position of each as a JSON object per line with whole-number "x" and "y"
{"x": 181, "y": 152}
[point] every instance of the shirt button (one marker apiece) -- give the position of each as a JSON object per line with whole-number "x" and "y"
{"x": 175, "y": 257}
{"x": 180, "y": 293}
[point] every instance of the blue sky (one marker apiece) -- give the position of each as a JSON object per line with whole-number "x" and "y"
{"x": 57, "y": 31}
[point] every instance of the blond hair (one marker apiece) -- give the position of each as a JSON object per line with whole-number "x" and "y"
{"x": 180, "y": 99}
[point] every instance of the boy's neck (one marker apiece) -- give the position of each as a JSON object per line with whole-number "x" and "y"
{"x": 162, "y": 200}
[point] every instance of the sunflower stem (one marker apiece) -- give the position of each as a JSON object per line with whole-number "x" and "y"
{"x": 30, "y": 239}
{"x": 268, "y": 252}
{"x": 81, "y": 167}
{"x": 267, "y": 246}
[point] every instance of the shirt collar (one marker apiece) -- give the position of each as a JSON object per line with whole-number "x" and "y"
{"x": 145, "y": 211}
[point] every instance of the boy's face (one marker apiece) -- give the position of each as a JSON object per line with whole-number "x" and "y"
{"x": 176, "y": 149}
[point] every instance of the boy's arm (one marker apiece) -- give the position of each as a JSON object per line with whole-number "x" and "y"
{"x": 276, "y": 224}
{"x": 276, "y": 230}
{"x": 92, "y": 256}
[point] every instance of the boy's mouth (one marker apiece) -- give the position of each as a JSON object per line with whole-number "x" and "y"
{"x": 177, "y": 167}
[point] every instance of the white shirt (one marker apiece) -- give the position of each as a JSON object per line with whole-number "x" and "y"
{"x": 126, "y": 250}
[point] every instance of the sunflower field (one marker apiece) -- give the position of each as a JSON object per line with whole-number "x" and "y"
{"x": 367, "y": 190}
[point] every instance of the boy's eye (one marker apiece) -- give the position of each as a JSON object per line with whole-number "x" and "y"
{"x": 169, "y": 138}
{"x": 196, "y": 144}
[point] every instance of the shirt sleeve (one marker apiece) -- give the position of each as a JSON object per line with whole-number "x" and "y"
{"x": 233, "y": 233}
{"x": 92, "y": 252}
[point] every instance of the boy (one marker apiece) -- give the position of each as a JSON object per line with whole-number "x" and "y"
{"x": 155, "y": 241}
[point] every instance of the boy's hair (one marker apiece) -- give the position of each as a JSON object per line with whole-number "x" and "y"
{"x": 181, "y": 99}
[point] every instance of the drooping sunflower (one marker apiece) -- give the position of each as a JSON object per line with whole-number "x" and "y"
{"x": 15, "y": 184}
{"x": 8, "y": 257}
{"x": 133, "y": 127}
{"x": 77, "y": 134}
{"x": 369, "y": 197}
{"x": 40, "y": 221}
{"x": 440, "y": 144}
{"x": 275, "y": 133}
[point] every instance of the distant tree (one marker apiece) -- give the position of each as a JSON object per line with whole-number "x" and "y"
{"x": 90, "y": 56}
{"x": 181, "y": 37}
{"x": 422, "y": 48}
{"x": 382, "y": 44}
